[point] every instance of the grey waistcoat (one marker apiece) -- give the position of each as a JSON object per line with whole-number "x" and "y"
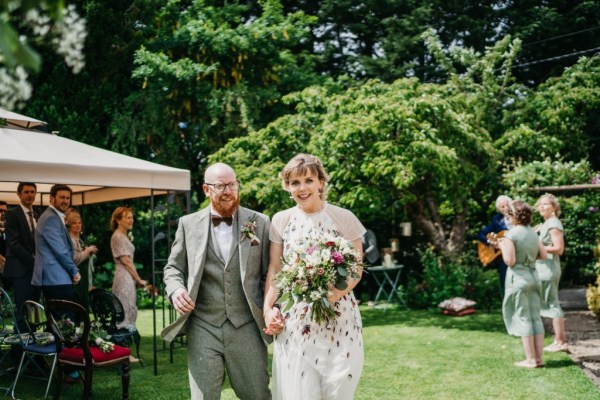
{"x": 220, "y": 294}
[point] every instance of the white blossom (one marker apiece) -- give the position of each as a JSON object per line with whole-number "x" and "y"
{"x": 72, "y": 38}
{"x": 15, "y": 89}
{"x": 40, "y": 23}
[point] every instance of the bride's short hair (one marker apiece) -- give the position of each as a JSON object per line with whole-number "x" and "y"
{"x": 300, "y": 165}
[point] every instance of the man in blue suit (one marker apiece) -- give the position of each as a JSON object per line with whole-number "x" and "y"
{"x": 499, "y": 223}
{"x": 19, "y": 227}
{"x": 54, "y": 270}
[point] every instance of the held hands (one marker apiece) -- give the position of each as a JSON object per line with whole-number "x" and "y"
{"x": 273, "y": 321}
{"x": 182, "y": 301}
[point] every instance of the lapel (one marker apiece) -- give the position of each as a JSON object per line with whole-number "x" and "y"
{"x": 235, "y": 240}
{"x": 243, "y": 216}
{"x": 63, "y": 228}
{"x": 24, "y": 220}
{"x": 200, "y": 228}
{"x": 213, "y": 242}
{"x": 198, "y": 245}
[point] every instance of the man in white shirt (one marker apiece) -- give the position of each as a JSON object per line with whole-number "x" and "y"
{"x": 19, "y": 229}
{"x": 55, "y": 270}
{"x": 215, "y": 278}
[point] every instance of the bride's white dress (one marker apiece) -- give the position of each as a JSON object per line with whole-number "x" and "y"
{"x": 317, "y": 361}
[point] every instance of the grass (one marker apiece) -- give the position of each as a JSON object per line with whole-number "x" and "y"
{"x": 408, "y": 354}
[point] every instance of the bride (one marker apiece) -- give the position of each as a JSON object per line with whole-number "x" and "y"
{"x": 312, "y": 360}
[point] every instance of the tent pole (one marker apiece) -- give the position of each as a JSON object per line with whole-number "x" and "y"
{"x": 154, "y": 344}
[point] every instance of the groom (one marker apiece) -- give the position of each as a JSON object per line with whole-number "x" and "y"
{"x": 215, "y": 280}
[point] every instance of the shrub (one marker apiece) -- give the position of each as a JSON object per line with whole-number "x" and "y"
{"x": 441, "y": 279}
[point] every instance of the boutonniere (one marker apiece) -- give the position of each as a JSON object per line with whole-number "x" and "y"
{"x": 249, "y": 231}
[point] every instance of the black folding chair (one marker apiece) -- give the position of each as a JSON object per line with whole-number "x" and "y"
{"x": 108, "y": 310}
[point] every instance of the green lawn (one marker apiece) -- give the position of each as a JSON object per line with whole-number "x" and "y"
{"x": 408, "y": 355}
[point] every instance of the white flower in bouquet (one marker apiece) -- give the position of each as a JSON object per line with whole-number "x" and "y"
{"x": 314, "y": 267}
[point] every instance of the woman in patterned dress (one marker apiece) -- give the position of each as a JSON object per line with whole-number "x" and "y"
{"x": 313, "y": 360}
{"x": 521, "y": 306}
{"x": 552, "y": 237}
{"x": 126, "y": 276}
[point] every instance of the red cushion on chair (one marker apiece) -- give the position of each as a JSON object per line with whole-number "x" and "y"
{"x": 74, "y": 355}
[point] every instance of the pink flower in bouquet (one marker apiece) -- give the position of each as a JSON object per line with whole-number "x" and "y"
{"x": 312, "y": 249}
{"x": 337, "y": 257}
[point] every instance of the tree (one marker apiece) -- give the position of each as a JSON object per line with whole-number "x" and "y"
{"x": 212, "y": 71}
{"x": 432, "y": 153}
{"x": 555, "y": 33}
{"x": 413, "y": 150}
{"x": 382, "y": 39}
{"x": 560, "y": 116}
{"x": 47, "y": 22}
{"x": 82, "y": 106}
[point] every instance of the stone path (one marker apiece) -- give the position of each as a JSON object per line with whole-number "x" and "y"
{"x": 583, "y": 332}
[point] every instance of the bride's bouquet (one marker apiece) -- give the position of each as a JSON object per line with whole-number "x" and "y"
{"x": 310, "y": 271}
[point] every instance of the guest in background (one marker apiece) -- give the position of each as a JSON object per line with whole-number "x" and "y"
{"x": 126, "y": 277}
{"x": 3, "y": 210}
{"x": 81, "y": 256}
{"x": 498, "y": 224}
{"x": 54, "y": 269}
{"x": 522, "y": 298}
{"x": 549, "y": 271}
{"x": 19, "y": 228}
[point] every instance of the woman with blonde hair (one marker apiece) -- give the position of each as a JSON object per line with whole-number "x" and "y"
{"x": 312, "y": 359}
{"x": 126, "y": 277}
{"x": 81, "y": 253}
{"x": 551, "y": 234}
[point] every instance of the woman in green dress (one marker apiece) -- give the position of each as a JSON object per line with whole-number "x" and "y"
{"x": 549, "y": 271}
{"x": 521, "y": 306}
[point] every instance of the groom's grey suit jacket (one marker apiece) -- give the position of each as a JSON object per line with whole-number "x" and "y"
{"x": 188, "y": 260}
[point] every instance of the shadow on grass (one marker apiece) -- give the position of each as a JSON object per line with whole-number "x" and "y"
{"x": 479, "y": 321}
{"x": 563, "y": 363}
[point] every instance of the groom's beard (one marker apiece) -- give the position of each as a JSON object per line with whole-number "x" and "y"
{"x": 226, "y": 205}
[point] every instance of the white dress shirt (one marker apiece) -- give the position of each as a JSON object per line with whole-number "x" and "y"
{"x": 224, "y": 235}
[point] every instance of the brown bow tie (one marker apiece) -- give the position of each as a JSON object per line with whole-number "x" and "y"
{"x": 216, "y": 220}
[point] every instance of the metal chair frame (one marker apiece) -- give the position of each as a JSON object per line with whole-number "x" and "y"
{"x": 109, "y": 311}
{"x": 35, "y": 318}
{"x": 7, "y": 313}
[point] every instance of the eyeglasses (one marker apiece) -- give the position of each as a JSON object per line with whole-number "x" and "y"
{"x": 220, "y": 187}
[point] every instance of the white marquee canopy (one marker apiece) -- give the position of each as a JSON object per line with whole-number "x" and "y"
{"x": 94, "y": 174}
